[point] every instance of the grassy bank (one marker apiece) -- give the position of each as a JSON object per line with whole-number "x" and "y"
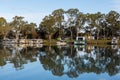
{"x": 98, "y": 42}
{"x": 68, "y": 41}
{"x": 91, "y": 42}
{"x": 47, "y": 42}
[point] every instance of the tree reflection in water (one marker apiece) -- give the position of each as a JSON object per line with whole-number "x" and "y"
{"x": 74, "y": 62}
{"x": 68, "y": 60}
{"x": 17, "y": 56}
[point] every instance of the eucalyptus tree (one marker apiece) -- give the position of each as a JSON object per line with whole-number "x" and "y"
{"x": 100, "y": 19}
{"x": 33, "y": 32}
{"x": 94, "y": 21}
{"x": 24, "y": 30}
{"x": 28, "y": 30}
{"x": 91, "y": 22}
{"x": 2, "y": 21}
{"x": 80, "y": 22}
{"x": 59, "y": 18}
{"x": 72, "y": 17}
{"x": 4, "y": 28}
{"x": 16, "y": 25}
{"x": 103, "y": 31}
{"x": 48, "y": 25}
{"x": 113, "y": 18}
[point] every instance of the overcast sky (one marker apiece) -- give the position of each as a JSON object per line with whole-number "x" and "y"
{"x": 35, "y": 10}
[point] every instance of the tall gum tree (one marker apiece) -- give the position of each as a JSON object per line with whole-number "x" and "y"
{"x": 113, "y": 18}
{"x": 59, "y": 18}
{"x": 48, "y": 25}
{"x": 4, "y": 28}
{"x": 72, "y": 16}
{"x": 16, "y": 24}
{"x": 80, "y": 22}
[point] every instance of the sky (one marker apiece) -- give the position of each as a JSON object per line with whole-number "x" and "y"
{"x": 35, "y": 10}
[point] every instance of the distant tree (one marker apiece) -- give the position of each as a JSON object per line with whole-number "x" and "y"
{"x": 16, "y": 25}
{"x": 4, "y": 28}
{"x": 72, "y": 17}
{"x": 33, "y": 32}
{"x": 59, "y": 18}
{"x": 112, "y": 19}
{"x": 80, "y": 22}
{"x": 48, "y": 25}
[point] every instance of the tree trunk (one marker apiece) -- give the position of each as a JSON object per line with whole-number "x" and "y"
{"x": 71, "y": 33}
{"x": 60, "y": 30}
{"x": 104, "y": 34}
{"x": 4, "y": 37}
{"x": 77, "y": 32}
{"x": 17, "y": 37}
{"x": 98, "y": 35}
{"x": 50, "y": 38}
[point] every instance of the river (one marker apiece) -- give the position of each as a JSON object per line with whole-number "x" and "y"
{"x": 70, "y": 62}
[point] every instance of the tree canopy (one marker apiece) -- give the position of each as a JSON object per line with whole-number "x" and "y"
{"x": 65, "y": 24}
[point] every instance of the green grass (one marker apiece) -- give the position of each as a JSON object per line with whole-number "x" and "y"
{"x": 47, "y": 42}
{"x": 98, "y": 41}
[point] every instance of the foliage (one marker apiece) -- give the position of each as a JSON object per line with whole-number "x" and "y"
{"x": 63, "y": 24}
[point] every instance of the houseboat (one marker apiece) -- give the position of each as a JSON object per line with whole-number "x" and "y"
{"x": 80, "y": 41}
{"x": 114, "y": 41}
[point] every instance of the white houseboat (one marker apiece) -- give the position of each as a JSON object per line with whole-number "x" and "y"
{"x": 80, "y": 40}
{"x": 114, "y": 41}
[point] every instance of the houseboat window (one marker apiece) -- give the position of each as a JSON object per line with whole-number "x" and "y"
{"x": 80, "y": 39}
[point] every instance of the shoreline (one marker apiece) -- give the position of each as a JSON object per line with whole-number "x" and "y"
{"x": 54, "y": 42}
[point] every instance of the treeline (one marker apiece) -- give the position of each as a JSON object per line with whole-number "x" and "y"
{"x": 63, "y": 24}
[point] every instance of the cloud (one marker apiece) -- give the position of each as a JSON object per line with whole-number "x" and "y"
{"x": 30, "y": 17}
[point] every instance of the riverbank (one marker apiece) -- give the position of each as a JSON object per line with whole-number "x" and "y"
{"x": 54, "y": 42}
{"x": 99, "y": 42}
{"x": 106, "y": 42}
{"x": 89, "y": 42}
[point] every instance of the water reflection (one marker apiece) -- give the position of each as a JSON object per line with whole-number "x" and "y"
{"x": 70, "y": 60}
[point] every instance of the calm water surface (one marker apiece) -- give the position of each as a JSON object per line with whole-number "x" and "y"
{"x": 69, "y": 62}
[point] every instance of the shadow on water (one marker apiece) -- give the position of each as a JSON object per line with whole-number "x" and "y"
{"x": 71, "y": 60}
